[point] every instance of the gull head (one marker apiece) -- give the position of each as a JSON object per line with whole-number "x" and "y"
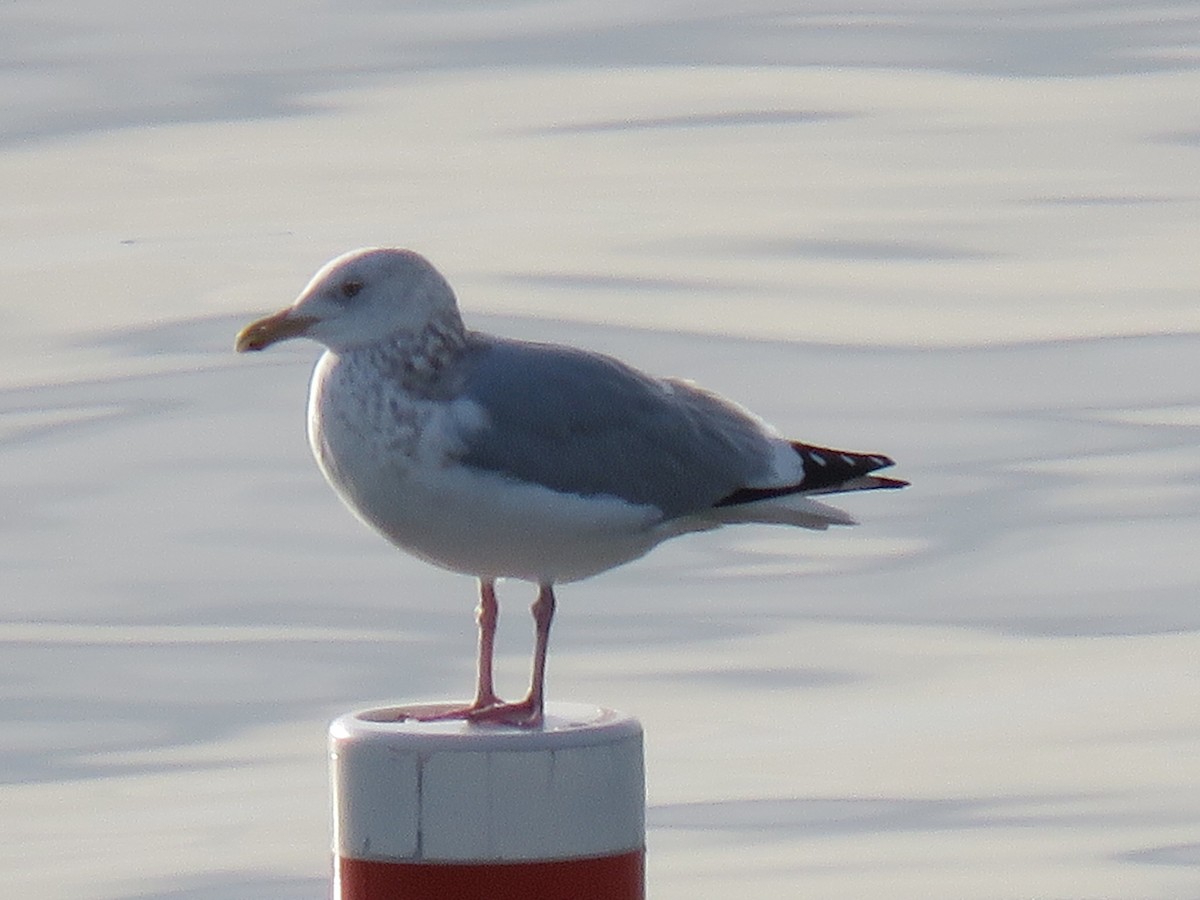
{"x": 360, "y": 298}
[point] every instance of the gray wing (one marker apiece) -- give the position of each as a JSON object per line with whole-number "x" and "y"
{"x": 582, "y": 423}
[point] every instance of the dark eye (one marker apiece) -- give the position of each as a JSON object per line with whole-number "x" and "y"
{"x": 351, "y": 288}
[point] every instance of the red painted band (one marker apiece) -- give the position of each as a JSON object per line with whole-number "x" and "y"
{"x": 603, "y": 878}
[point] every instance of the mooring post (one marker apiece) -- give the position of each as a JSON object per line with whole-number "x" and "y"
{"x": 429, "y": 810}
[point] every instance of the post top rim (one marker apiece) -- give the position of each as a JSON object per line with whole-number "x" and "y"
{"x": 564, "y": 725}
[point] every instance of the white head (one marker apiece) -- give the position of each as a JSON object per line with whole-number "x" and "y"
{"x": 360, "y": 298}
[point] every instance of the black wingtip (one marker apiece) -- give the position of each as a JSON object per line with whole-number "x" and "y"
{"x": 826, "y": 468}
{"x": 826, "y": 471}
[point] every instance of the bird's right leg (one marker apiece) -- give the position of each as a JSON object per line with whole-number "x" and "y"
{"x": 486, "y": 616}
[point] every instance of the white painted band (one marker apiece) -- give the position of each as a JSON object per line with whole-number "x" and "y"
{"x": 450, "y": 791}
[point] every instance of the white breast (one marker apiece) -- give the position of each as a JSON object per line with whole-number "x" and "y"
{"x": 393, "y": 458}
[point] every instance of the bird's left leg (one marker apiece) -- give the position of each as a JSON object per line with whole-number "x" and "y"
{"x": 543, "y": 615}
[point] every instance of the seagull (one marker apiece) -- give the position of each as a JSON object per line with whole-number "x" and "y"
{"x": 500, "y": 458}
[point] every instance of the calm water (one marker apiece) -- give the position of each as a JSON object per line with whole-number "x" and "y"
{"x": 963, "y": 238}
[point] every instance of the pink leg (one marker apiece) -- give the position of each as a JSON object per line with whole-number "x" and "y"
{"x": 486, "y": 616}
{"x": 530, "y": 710}
{"x": 487, "y": 707}
{"x": 543, "y": 615}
